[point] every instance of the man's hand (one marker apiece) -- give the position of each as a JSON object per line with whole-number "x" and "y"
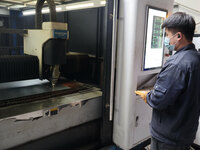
{"x": 143, "y": 94}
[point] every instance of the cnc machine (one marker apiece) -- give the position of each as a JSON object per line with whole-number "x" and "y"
{"x": 34, "y": 102}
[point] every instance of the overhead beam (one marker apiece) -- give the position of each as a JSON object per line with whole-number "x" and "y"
{"x": 1, "y": 6}
{"x": 11, "y": 2}
{"x": 25, "y": 3}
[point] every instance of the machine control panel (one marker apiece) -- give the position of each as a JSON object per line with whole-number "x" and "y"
{"x": 154, "y": 50}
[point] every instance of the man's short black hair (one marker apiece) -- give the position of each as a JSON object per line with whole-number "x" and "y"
{"x": 181, "y": 22}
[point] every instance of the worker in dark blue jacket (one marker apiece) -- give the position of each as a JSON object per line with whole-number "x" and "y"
{"x": 175, "y": 98}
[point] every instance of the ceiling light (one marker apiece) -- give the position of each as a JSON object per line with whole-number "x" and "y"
{"x": 69, "y": 7}
{"x": 16, "y": 7}
{"x": 58, "y": 9}
{"x": 46, "y": 10}
{"x": 28, "y": 12}
{"x": 103, "y": 2}
{"x": 79, "y": 6}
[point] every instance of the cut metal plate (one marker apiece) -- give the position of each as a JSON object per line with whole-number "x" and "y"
{"x": 27, "y": 88}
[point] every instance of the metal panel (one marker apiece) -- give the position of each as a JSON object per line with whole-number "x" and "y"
{"x": 81, "y": 23}
{"x": 106, "y": 133}
{"x": 113, "y": 57}
{"x": 15, "y": 132}
{"x": 13, "y": 31}
{"x": 19, "y": 110}
{"x": 13, "y": 90}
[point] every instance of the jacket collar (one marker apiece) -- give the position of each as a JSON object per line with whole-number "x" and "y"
{"x": 187, "y": 47}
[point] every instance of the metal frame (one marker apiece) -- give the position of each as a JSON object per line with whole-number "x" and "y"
{"x": 24, "y": 3}
{"x": 13, "y": 31}
{"x": 107, "y": 125}
{"x": 10, "y": 3}
{"x": 145, "y": 41}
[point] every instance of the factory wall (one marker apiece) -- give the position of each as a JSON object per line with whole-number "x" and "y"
{"x": 11, "y": 43}
{"x": 4, "y": 24}
{"x": 194, "y": 13}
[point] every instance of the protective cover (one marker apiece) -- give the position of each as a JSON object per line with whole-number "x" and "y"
{"x": 18, "y": 67}
{"x": 54, "y": 52}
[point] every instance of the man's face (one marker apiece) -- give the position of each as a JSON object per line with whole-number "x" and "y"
{"x": 171, "y": 36}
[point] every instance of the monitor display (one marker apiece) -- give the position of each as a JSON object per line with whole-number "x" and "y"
{"x": 153, "y": 54}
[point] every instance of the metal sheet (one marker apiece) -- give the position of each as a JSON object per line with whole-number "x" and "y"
{"x": 22, "y": 97}
{"x": 27, "y": 88}
{"x": 61, "y": 101}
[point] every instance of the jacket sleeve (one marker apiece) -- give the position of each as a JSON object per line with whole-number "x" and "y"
{"x": 169, "y": 85}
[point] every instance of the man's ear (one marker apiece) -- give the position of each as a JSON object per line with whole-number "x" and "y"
{"x": 179, "y": 35}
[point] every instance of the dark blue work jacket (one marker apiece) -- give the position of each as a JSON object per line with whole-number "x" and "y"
{"x": 175, "y": 98}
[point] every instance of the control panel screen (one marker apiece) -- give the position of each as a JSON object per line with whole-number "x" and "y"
{"x": 154, "y": 50}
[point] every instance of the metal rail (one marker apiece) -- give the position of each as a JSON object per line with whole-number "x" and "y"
{"x": 13, "y": 31}
{"x": 42, "y": 96}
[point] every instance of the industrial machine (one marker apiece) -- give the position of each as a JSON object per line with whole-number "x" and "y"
{"x": 43, "y": 55}
{"x": 50, "y": 48}
{"x": 31, "y": 94}
{"x": 134, "y": 44}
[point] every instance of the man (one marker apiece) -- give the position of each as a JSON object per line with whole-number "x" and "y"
{"x": 175, "y": 98}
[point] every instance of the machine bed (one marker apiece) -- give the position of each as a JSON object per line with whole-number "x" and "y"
{"x": 23, "y": 97}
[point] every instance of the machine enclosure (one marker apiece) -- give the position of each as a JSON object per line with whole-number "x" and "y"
{"x": 46, "y": 43}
